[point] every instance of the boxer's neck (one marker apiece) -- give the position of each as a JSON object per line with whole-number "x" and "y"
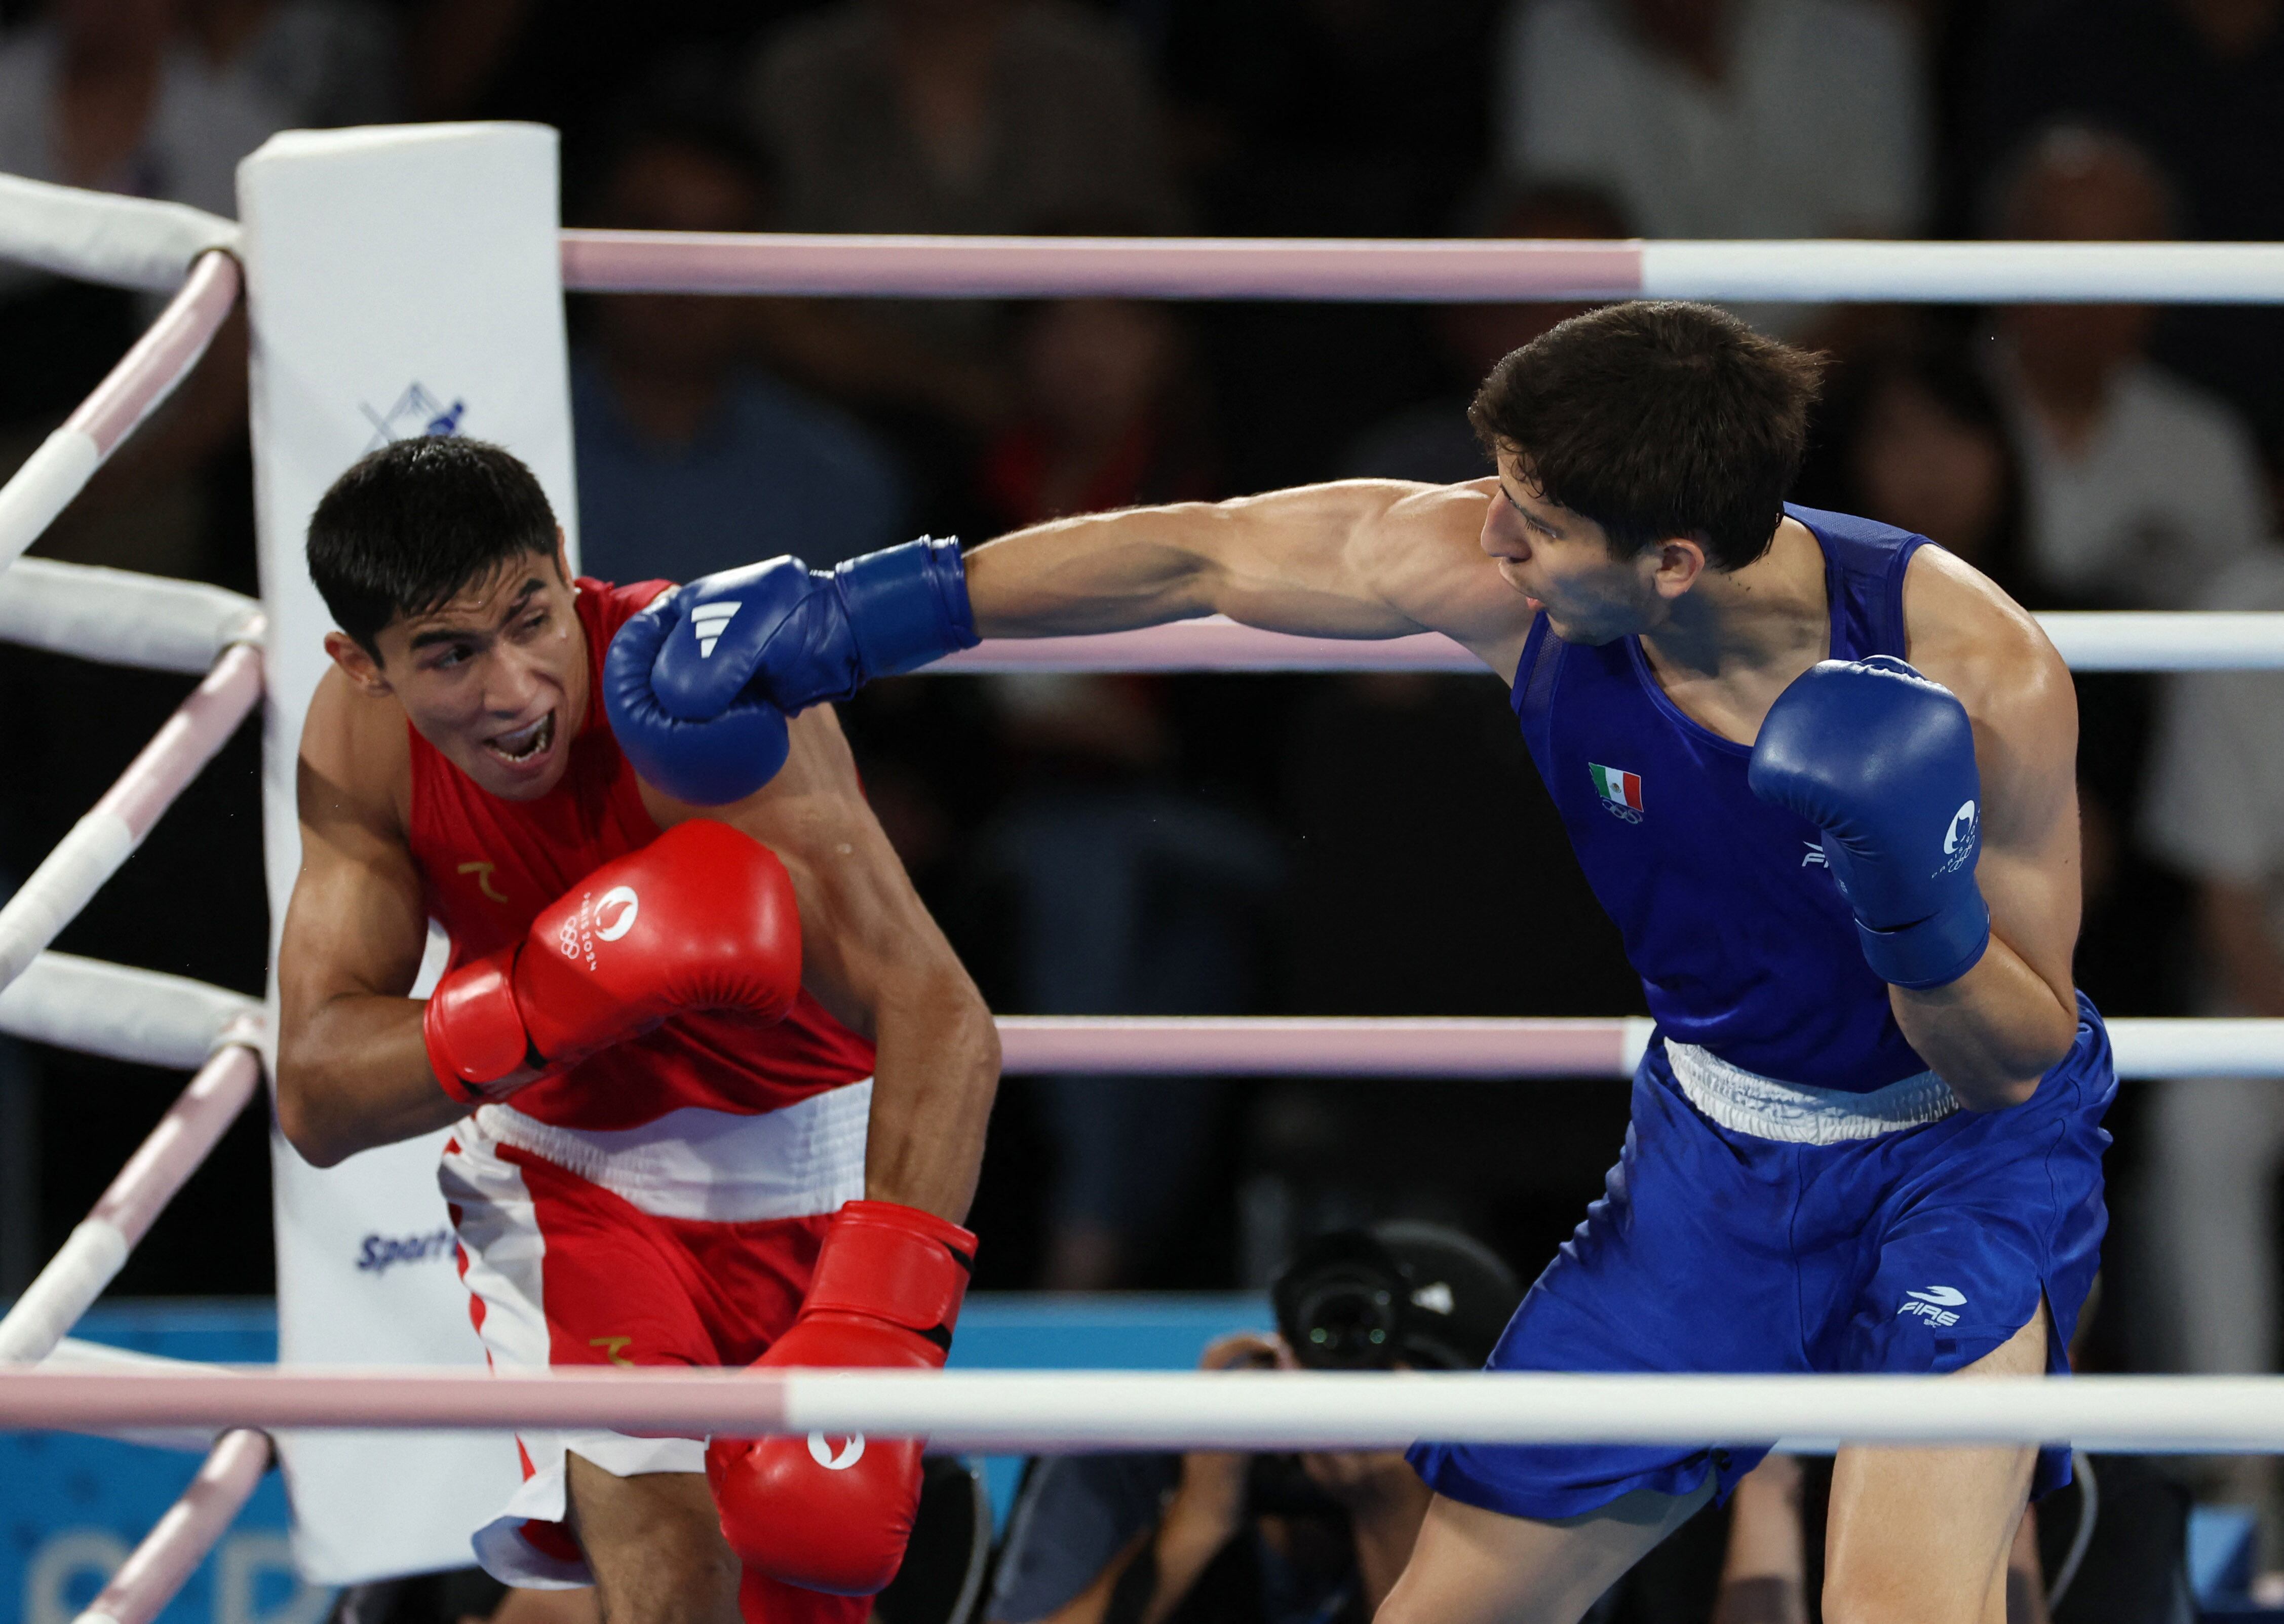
{"x": 1736, "y": 639}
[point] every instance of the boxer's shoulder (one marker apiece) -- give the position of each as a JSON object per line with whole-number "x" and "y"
{"x": 1424, "y": 559}
{"x": 1966, "y": 634}
{"x": 357, "y": 756}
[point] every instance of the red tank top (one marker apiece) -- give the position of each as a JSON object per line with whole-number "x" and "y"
{"x": 488, "y": 866}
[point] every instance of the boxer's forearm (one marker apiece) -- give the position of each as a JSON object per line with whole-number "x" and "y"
{"x": 1991, "y": 1034}
{"x": 935, "y": 1072}
{"x": 1288, "y": 561}
{"x": 353, "y": 1074}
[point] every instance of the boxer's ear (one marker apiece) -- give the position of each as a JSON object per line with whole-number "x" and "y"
{"x": 1677, "y": 563}
{"x": 358, "y": 664}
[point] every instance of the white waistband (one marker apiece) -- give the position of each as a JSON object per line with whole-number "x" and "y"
{"x": 1748, "y": 1103}
{"x": 713, "y": 1165}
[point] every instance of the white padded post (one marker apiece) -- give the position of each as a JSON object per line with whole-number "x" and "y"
{"x": 400, "y": 281}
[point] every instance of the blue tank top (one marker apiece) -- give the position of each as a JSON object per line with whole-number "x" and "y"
{"x": 1741, "y": 939}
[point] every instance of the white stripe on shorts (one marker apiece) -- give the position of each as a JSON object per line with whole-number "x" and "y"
{"x": 497, "y": 1223}
{"x": 713, "y": 1166}
{"x": 1748, "y": 1103}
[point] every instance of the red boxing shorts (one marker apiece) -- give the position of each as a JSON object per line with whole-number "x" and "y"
{"x": 687, "y": 1241}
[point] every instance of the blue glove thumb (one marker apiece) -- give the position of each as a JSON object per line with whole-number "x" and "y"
{"x": 707, "y": 763}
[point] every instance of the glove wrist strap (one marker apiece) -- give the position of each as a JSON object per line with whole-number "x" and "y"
{"x": 894, "y": 1263}
{"x": 906, "y": 606}
{"x": 1934, "y": 952}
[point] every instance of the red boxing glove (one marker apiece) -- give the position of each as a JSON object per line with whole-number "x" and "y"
{"x": 701, "y": 918}
{"x": 833, "y": 1514}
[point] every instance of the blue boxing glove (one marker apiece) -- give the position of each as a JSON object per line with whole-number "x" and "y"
{"x": 795, "y": 636}
{"x": 706, "y": 763}
{"x": 1882, "y": 760}
{"x": 699, "y": 686}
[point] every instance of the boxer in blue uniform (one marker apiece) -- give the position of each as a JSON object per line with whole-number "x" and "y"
{"x": 1822, "y": 775}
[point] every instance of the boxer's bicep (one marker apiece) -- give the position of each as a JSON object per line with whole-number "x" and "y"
{"x": 1360, "y": 559}
{"x": 2020, "y": 698}
{"x": 2029, "y": 870}
{"x": 355, "y": 922}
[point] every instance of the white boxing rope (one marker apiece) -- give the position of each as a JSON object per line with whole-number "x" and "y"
{"x": 102, "y": 236}
{"x": 1966, "y": 273}
{"x": 2089, "y": 641}
{"x": 122, "y": 618}
{"x": 146, "y": 1016}
{"x": 98, "y": 1245}
{"x": 102, "y": 840}
{"x": 2151, "y": 640}
{"x": 63, "y": 463}
{"x": 1066, "y": 1411}
{"x": 1493, "y": 1047}
{"x": 1421, "y": 271}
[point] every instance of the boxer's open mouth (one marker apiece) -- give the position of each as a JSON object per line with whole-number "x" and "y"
{"x": 527, "y": 745}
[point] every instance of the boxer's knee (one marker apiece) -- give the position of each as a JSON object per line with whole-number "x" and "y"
{"x": 654, "y": 1544}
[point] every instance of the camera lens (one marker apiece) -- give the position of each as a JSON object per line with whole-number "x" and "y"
{"x": 1347, "y": 1325}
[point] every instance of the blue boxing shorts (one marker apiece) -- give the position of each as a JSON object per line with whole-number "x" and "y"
{"x": 1753, "y": 1226}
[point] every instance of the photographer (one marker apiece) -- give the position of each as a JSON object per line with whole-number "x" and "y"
{"x": 1274, "y": 1539}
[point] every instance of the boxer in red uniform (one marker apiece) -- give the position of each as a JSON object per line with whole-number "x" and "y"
{"x": 718, "y": 1084}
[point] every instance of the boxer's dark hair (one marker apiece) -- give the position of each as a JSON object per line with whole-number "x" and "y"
{"x": 1656, "y": 420}
{"x": 413, "y": 524}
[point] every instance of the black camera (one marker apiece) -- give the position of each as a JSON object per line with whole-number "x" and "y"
{"x": 1412, "y": 1294}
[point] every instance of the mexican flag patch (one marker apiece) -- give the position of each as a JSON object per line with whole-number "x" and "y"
{"x": 1620, "y": 790}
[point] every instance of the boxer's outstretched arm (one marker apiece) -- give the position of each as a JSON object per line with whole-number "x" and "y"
{"x": 1355, "y": 559}
{"x": 352, "y": 1070}
{"x": 872, "y": 956}
{"x": 1992, "y": 1032}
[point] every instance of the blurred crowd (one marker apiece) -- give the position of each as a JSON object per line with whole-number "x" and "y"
{"x": 1362, "y": 845}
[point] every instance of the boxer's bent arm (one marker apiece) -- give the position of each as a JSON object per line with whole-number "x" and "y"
{"x": 1996, "y": 1030}
{"x": 871, "y": 955}
{"x": 1356, "y": 559}
{"x": 352, "y": 1070}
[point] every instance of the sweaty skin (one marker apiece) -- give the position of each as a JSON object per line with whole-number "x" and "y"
{"x": 507, "y": 656}
{"x": 1477, "y": 562}
{"x": 498, "y": 680}
{"x": 1915, "y": 1533}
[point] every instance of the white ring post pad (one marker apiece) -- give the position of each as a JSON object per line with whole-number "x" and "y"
{"x": 401, "y": 281}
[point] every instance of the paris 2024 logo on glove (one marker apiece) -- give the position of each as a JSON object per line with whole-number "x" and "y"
{"x": 606, "y": 919}
{"x": 1959, "y": 841}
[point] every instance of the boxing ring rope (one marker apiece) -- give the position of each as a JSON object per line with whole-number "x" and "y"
{"x": 71, "y": 1354}
{"x": 173, "y": 626}
{"x": 180, "y": 1540}
{"x": 1007, "y": 1412}
{"x": 68, "y": 877}
{"x": 123, "y": 618}
{"x": 102, "y": 236}
{"x": 2114, "y": 640}
{"x": 124, "y": 1014}
{"x": 98, "y": 1245}
{"x": 1500, "y": 1047}
{"x": 1433, "y": 271}
{"x": 59, "y": 469}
